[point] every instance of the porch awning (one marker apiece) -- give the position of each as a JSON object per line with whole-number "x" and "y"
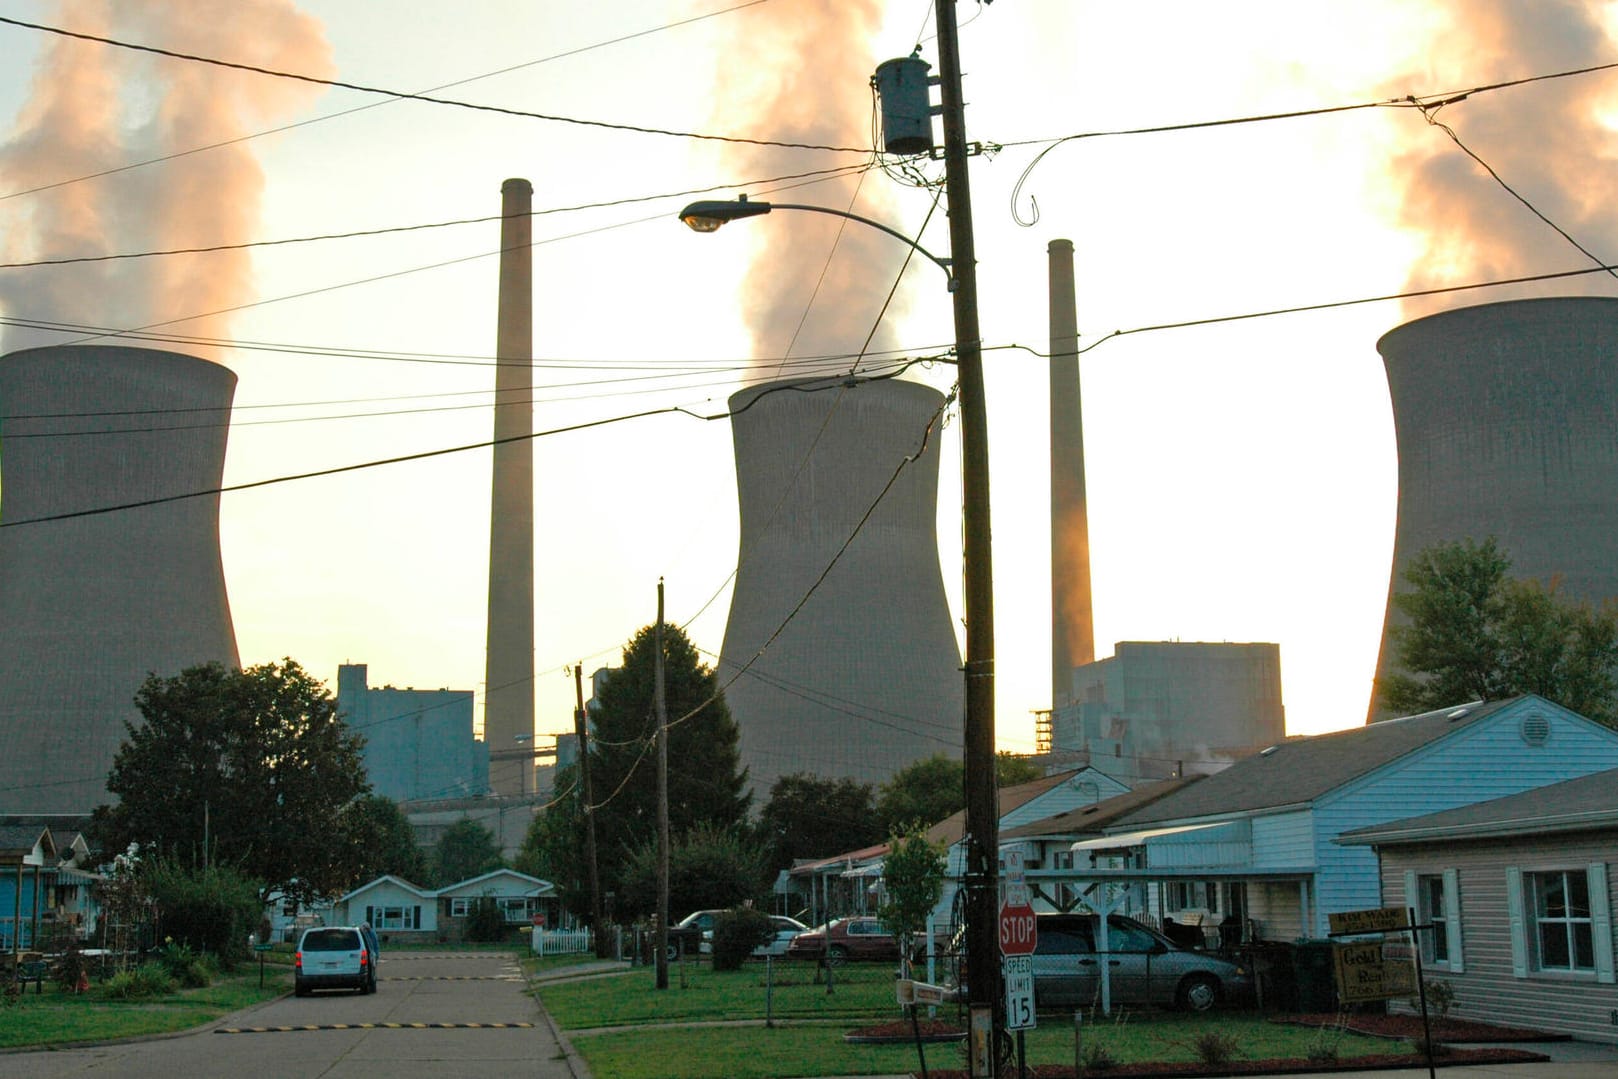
{"x": 872, "y": 870}
{"x": 1136, "y": 839}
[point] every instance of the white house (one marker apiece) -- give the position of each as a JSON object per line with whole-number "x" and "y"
{"x": 1261, "y": 835}
{"x": 520, "y": 898}
{"x": 391, "y": 905}
{"x": 397, "y": 907}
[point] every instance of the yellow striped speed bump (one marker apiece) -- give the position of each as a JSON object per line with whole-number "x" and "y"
{"x": 453, "y": 978}
{"x": 373, "y": 1026}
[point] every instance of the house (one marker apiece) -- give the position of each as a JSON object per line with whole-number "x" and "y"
{"x": 44, "y": 885}
{"x": 1261, "y": 835}
{"x": 394, "y": 906}
{"x": 1521, "y": 894}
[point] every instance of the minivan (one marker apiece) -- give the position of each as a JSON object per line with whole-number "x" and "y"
{"x": 333, "y": 957}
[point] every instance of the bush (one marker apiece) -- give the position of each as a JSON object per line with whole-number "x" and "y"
{"x": 485, "y": 921}
{"x": 143, "y": 982}
{"x": 736, "y": 933}
{"x": 1215, "y": 1049}
{"x": 71, "y": 967}
{"x": 205, "y": 910}
{"x": 1440, "y": 997}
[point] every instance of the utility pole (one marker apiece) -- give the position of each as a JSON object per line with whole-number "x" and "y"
{"x": 581, "y": 734}
{"x": 982, "y": 808}
{"x": 660, "y": 707}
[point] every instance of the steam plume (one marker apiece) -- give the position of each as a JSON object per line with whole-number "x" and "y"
{"x": 94, "y": 107}
{"x": 826, "y": 102}
{"x": 1547, "y": 140}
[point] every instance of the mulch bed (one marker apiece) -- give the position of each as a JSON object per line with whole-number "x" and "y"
{"x": 1451, "y": 1031}
{"x": 1388, "y": 1026}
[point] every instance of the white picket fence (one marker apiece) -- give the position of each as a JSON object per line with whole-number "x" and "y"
{"x": 561, "y": 941}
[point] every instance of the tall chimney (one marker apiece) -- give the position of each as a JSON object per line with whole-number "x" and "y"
{"x": 508, "y": 708}
{"x": 1072, "y": 625}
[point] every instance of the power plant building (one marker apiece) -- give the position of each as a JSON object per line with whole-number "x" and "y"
{"x": 1506, "y": 416}
{"x": 418, "y": 743}
{"x": 840, "y": 657}
{"x": 1163, "y": 708}
{"x": 120, "y": 573}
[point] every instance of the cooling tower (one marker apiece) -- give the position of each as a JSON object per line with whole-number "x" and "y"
{"x": 1506, "y": 416}
{"x": 860, "y": 670}
{"x": 90, "y": 604}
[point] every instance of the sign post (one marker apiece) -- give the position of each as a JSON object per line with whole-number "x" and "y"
{"x": 1380, "y": 969}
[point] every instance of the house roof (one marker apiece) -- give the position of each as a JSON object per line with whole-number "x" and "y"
{"x": 847, "y": 858}
{"x": 1300, "y": 770}
{"x": 1093, "y": 818}
{"x": 536, "y": 886}
{"x": 950, "y": 830}
{"x": 388, "y": 878}
{"x": 17, "y": 843}
{"x": 1575, "y": 805}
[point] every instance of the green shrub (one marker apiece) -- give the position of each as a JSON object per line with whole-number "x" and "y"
{"x": 485, "y": 921}
{"x": 736, "y": 933}
{"x": 141, "y": 983}
{"x": 209, "y": 910}
{"x": 1324, "y": 1047}
{"x": 1440, "y": 997}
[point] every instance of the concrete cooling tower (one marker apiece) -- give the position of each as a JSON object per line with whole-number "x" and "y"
{"x": 865, "y": 677}
{"x": 1507, "y": 422}
{"x": 90, "y": 604}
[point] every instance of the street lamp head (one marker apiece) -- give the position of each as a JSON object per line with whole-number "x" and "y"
{"x": 708, "y": 215}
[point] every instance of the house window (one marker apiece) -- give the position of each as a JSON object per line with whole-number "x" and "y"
{"x": 460, "y": 908}
{"x": 395, "y": 917}
{"x": 516, "y": 909}
{"x": 1433, "y": 909}
{"x": 1196, "y": 895}
{"x": 1562, "y": 935}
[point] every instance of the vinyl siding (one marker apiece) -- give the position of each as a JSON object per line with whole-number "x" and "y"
{"x": 1283, "y": 841}
{"x": 1487, "y": 990}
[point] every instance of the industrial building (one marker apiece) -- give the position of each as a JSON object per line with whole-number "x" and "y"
{"x": 1165, "y": 708}
{"x": 418, "y": 743}
{"x": 1505, "y": 415}
{"x": 840, "y": 656}
{"x": 109, "y": 561}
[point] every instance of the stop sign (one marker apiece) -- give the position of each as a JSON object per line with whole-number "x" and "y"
{"x": 1018, "y": 929}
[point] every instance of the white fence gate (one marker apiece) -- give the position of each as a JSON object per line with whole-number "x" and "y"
{"x": 561, "y": 941}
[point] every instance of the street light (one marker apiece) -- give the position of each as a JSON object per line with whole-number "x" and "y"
{"x": 708, "y": 215}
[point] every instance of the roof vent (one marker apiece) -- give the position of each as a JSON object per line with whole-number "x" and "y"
{"x": 1457, "y": 714}
{"x": 1267, "y": 752}
{"x": 1535, "y": 729}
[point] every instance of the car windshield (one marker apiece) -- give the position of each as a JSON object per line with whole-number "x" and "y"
{"x": 331, "y": 940}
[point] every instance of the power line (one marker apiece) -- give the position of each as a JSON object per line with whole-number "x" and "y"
{"x": 425, "y": 98}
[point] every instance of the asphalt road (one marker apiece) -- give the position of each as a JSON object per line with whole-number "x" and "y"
{"x": 414, "y": 988}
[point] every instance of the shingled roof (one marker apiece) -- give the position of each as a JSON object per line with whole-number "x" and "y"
{"x": 1300, "y": 770}
{"x": 1091, "y": 819}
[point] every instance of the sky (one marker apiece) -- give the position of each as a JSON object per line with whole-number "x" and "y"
{"x": 1241, "y": 474}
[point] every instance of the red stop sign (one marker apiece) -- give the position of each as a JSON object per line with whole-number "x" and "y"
{"x": 1018, "y": 930}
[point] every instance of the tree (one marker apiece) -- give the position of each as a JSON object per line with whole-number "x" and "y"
{"x": 248, "y": 768}
{"x": 933, "y": 788}
{"x": 384, "y": 841}
{"x": 553, "y": 846}
{"x": 707, "y": 784}
{"x": 912, "y": 884}
{"x": 709, "y": 868}
{"x": 1472, "y": 632}
{"x": 465, "y": 850}
{"x": 810, "y": 816}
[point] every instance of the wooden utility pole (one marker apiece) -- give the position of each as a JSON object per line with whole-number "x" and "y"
{"x": 662, "y": 716}
{"x": 982, "y": 808}
{"x": 581, "y": 735}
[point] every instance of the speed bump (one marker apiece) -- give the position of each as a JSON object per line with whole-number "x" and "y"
{"x": 372, "y": 1026}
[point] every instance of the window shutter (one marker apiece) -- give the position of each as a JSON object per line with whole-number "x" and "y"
{"x": 1411, "y": 899}
{"x": 1452, "y": 915}
{"x": 1519, "y": 932}
{"x": 1601, "y": 922}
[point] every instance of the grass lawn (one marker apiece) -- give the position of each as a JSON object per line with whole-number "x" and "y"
{"x": 663, "y": 1047}
{"x": 56, "y": 1017}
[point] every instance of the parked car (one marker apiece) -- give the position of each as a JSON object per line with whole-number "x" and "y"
{"x": 1145, "y": 967}
{"x": 692, "y": 934}
{"x": 786, "y": 930}
{"x": 333, "y": 957}
{"x": 845, "y": 938}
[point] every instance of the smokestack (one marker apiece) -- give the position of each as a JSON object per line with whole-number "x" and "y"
{"x": 508, "y": 708}
{"x": 1504, "y": 415}
{"x": 855, "y": 669}
{"x": 1072, "y": 623}
{"x": 90, "y": 605}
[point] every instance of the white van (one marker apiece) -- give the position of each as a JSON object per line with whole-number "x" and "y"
{"x": 333, "y": 957}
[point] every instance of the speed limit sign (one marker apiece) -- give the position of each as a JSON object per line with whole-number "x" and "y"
{"x": 1019, "y": 978}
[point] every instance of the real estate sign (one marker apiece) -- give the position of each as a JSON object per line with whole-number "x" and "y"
{"x": 1374, "y": 970}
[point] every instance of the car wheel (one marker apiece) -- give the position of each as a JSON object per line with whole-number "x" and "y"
{"x": 300, "y": 990}
{"x": 672, "y": 952}
{"x": 836, "y": 954}
{"x": 1198, "y": 993}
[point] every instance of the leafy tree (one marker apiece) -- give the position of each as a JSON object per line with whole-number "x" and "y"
{"x": 912, "y": 883}
{"x": 933, "y": 788}
{"x": 810, "y": 816}
{"x": 1472, "y": 632}
{"x": 553, "y": 846}
{"x": 709, "y": 868}
{"x": 383, "y": 839}
{"x": 707, "y": 784}
{"x": 1010, "y": 770}
{"x": 466, "y": 849}
{"x": 248, "y": 768}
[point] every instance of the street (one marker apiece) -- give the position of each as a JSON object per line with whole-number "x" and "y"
{"x": 458, "y": 996}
